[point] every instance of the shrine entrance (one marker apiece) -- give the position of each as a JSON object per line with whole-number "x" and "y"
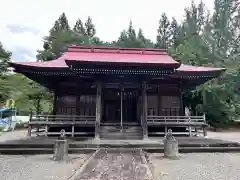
{"x": 119, "y": 106}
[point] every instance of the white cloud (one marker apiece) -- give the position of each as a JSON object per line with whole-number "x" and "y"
{"x": 109, "y": 16}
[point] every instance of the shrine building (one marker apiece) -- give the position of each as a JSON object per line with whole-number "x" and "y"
{"x": 137, "y": 91}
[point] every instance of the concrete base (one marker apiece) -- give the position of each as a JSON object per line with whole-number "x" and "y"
{"x": 60, "y": 150}
{"x": 43, "y": 144}
{"x": 171, "y": 148}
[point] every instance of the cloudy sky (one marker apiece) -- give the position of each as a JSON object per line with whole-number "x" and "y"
{"x": 25, "y": 22}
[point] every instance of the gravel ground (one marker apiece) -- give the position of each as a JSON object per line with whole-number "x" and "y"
{"x": 227, "y": 136}
{"x": 18, "y": 134}
{"x": 38, "y": 167}
{"x": 203, "y": 166}
{"x": 116, "y": 166}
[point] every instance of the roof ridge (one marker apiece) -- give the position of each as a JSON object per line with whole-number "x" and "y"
{"x": 105, "y": 49}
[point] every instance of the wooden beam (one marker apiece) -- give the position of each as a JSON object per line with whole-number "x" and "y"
{"x": 98, "y": 110}
{"x": 144, "y": 109}
{"x": 55, "y": 102}
{"x": 78, "y": 95}
{"x": 182, "y": 111}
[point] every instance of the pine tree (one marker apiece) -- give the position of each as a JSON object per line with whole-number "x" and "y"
{"x": 174, "y": 31}
{"x": 131, "y": 33}
{"x": 90, "y": 30}
{"x": 56, "y": 27}
{"x": 195, "y": 18}
{"x": 57, "y": 41}
{"x": 79, "y": 28}
{"x": 63, "y": 22}
{"x": 163, "y": 32}
{"x": 129, "y": 39}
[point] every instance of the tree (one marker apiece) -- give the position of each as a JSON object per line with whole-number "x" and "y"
{"x": 163, "y": 32}
{"x": 90, "y": 30}
{"x": 221, "y": 35}
{"x": 174, "y": 31}
{"x": 61, "y": 36}
{"x": 206, "y": 39}
{"x": 63, "y": 23}
{"x": 4, "y": 59}
{"x": 79, "y": 28}
{"x": 129, "y": 39}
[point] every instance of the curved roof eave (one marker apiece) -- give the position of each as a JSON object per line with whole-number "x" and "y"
{"x": 189, "y": 70}
{"x": 47, "y": 65}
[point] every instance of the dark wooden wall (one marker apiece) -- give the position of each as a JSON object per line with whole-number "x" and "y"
{"x": 80, "y": 99}
{"x": 164, "y": 100}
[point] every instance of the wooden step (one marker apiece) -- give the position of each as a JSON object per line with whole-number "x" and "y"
{"x": 117, "y": 132}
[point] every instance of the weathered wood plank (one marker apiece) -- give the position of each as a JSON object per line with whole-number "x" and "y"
{"x": 177, "y": 123}
{"x": 98, "y": 110}
{"x": 60, "y": 123}
{"x": 144, "y": 109}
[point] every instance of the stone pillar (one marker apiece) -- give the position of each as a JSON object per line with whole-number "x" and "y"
{"x": 29, "y": 125}
{"x": 61, "y": 148}
{"x": 205, "y": 126}
{"x": 98, "y": 110}
{"x": 205, "y": 132}
{"x": 144, "y": 110}
{"x": 29, "y": 133}
{"x": 170, "y": 145}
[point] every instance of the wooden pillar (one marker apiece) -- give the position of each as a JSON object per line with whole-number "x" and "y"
{"x": 144, "y": 110}
{"x": 55, "y": 103}
{"x": 182, "y": 108}
{"x": 98, "y": 110}
{"x": 159, "y": 102}
{"x": 78, "y": 95}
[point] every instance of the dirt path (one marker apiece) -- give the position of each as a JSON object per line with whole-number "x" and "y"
{"x": 116, "y": 166}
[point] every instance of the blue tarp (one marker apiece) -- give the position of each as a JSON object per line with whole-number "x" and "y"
{"x": 6, "y": 118}
{"x": 2, "y": 110}
{"x": 6, "y": 112}
{"x": 4, "y": 121}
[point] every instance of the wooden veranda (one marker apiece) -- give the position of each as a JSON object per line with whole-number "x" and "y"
{"x": 196, "y": 125}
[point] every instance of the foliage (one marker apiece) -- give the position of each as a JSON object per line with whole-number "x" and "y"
{"x": 212, "y": 40}
{"x": 4, "y": 58}
{"x": 27, "y": 94}
{"x": 130, "y": 39}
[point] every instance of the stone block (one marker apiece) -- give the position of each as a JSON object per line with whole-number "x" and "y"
{"x": 61, "y": 150}
{"x": 171, "y": 148}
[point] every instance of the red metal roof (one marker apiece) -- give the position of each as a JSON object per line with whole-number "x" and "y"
{"x": 96, "y": 54}
{"x": 119, "y": 55}
{"x": 190, "y": 68}
{"x": 57, "y": 63}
